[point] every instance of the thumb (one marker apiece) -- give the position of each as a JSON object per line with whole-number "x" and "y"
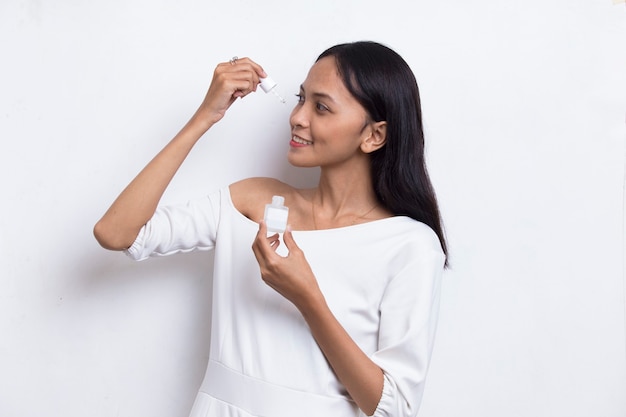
{"x": 289, "y": 240}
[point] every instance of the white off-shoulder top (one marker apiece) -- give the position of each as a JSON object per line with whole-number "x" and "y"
{"x": 381, "y": 280}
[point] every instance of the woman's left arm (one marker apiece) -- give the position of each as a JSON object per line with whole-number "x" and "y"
{"x": 293, "y": 278}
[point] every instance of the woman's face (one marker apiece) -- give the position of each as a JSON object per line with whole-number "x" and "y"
{"x": 328, "y": 124}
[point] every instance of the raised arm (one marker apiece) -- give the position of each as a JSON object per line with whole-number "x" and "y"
{"x": 119, "y": 226}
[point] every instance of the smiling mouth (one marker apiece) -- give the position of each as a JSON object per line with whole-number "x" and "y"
{"x": 301, "y": 141}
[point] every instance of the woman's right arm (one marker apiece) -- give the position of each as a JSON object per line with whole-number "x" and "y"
{"x": 119, "y": 226}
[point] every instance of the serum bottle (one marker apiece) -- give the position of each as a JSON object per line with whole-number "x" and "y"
{"x": 276, "y": 215}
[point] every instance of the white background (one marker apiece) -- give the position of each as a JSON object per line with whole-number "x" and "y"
{"x": 524, "y": 105}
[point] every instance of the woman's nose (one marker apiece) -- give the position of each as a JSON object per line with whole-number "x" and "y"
{"x": 298, "y": 117}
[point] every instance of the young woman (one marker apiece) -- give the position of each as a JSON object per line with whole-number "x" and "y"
{"x": 339, "y": 320}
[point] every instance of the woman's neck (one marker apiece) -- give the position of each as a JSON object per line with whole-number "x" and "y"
{"x": 344, "y": 197}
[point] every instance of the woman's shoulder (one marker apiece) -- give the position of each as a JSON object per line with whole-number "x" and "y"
{"x": 259, "y": 184}
{"x": 259, "y": 188}
{"x": 250, "y": 195}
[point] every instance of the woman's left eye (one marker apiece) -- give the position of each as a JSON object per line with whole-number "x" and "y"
{"x": 321, "y": 107}
{"x": 318, "y": 106}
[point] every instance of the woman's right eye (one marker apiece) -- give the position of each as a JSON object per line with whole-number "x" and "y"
{"x": 300, "y": 98}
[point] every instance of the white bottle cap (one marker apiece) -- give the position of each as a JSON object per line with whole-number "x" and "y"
{"x": 267, "y": 84}
{"x": 278, "y": 201}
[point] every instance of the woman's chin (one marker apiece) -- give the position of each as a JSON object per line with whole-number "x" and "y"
{"x": 299, "y": 162}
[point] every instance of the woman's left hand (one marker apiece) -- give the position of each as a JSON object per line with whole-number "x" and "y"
{"x": 291, "y": 275}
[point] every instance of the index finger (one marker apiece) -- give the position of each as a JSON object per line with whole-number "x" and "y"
{"x": 261, "y": 246}
{"x": 256, "y": 67}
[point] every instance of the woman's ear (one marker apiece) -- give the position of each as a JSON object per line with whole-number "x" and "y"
{"x": 377, "y": 137}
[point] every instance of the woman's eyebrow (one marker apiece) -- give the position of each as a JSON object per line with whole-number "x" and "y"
{"x": 318, "y": 94}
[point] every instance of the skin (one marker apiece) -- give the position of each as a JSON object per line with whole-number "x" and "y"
{"x": 338, "y": 137}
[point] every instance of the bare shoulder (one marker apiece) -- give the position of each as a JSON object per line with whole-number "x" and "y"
{"x": 252, "y": 194}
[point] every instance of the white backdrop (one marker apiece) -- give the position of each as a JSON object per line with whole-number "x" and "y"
{"x": 524, "y": 105}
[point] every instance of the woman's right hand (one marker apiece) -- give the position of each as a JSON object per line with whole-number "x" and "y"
{"x": 231, "y": 80}
{"x": 119, "y": 226}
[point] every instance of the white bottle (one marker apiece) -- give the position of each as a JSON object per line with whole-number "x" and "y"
{"x": 276, "y": 215}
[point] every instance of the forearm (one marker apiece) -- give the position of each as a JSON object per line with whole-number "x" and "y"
{"x": 362, "y": 378}
{"x": 119, "y": 226}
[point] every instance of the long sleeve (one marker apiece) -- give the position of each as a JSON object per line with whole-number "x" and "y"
{"x": 179, "y": 228}
{"x": 409, "y": 313}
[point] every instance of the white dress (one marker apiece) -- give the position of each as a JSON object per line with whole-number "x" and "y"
{"x": 381, "y": 280}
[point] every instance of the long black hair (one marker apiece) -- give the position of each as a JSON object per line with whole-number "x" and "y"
{"x": 384, "y": 84}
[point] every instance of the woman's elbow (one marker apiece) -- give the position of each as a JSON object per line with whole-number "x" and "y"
{"x": 109, "y": 238}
